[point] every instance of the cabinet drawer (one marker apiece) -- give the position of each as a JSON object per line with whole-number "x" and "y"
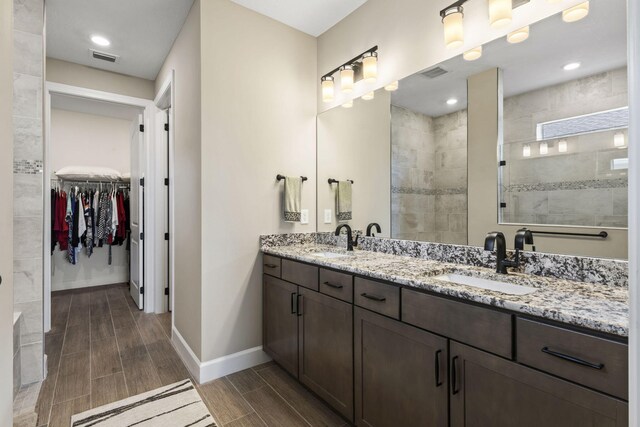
{"x": 591, "y": 361}
{"x": 271, "y": 265}
{"x": 476, "y": 326}
{"x": 377, "y": 296}
{"x": 301, "y": 274}
{"x": 337, "y": 285}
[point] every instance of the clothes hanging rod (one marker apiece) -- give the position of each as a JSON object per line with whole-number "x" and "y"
{"x": 281, "y": 177}
{"x": 335, "y": 181}
{"x": 89, "y": 181}
{"x": 600, "y": 235}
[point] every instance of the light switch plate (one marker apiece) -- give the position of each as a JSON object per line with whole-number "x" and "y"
{"x": 327, "y": 216}
{"x": 304, "y": 216}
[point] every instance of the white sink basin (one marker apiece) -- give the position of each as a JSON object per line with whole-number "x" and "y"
{"x": 329, "y": 255}
{"x": 492, "y": 285}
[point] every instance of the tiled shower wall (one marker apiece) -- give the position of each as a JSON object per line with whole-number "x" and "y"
{"x": 577, "y": 187}
{"x": 28, "y": 81}
{"x": 429, "y": 176}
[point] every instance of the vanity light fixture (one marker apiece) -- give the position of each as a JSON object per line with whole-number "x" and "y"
{"x": 619, "y": 140}
{"x": 576, "y": 12}
{"x": 452, "y": 22}
{"x": 370, "y": 67}
{"x": 346, "y": 79}
{"x": 327, "y": 89}
{"x": 452, "y": 101}
{"x": 100, "y": 41}
{"x": 369, "y": 96}
{"x": 473, "y": 54}
{"x": 348, "y": 104}
{"x": 562, "y": 146}
{"x": 544, "y": 148}
{"x": 526, "y": 150}
{"x": 518, "y": 35}
{"x": 554, "y": 1}
{"x": 393, "y": 86}
{"x": 500, "y": 13}
{"x": 572, "y": 66}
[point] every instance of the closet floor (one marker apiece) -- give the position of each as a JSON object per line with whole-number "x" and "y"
{"x": 101, "y": 348}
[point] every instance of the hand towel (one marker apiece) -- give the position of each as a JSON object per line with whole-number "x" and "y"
{"x": 343, "y": 198}
{"x": 292, "y": 198}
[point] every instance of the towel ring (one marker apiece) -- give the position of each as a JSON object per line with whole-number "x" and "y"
{"x": 281, "y": 177}
{"x": 335, "y": 181}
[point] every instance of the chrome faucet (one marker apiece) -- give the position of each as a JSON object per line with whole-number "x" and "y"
{"x": 349, "y": 235}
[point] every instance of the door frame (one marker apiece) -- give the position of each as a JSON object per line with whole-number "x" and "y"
{"x": 52, "y": 88}
{"x": 165, "y": 99}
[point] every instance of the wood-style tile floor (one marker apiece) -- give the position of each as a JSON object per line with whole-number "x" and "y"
{"x": 101, "y": 348}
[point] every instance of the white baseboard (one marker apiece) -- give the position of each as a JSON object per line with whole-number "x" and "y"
{"x": 212, "y": 369}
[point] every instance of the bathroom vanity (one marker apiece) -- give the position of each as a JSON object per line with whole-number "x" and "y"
{"x": 386, "y": 340}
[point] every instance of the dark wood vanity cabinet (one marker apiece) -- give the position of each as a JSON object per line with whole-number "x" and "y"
{"x": 486, "y": 390}
{"x": 400, "y": 374}
{"x": 280, "y": 322}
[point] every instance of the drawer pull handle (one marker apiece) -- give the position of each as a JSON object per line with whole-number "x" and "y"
{"x": 331, "y": 285}
{"x": 298, "y": 299}
{"x": 293, "y": 303}
{"x": 454, "y": 376}
{"x": 270, "y": 265}
{"x": 573, "y": 359}
{"x": 373, "y": 297}
{"x": 438, "y": 380}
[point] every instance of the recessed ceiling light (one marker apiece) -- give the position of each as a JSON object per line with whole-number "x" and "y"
{"x": 571, "y": 66}
{"x": 452, "y": 101}
{"x": 100, "y": 41}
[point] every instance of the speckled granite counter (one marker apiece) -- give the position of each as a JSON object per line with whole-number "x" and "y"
{"x": 594, "y": 306}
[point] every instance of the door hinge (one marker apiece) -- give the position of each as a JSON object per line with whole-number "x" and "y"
{"x": 142, "y": 182}
{"x": 503, "y": 205}
{"x": 141, "y": 128}
{"x": 166, "y": 181}
{"x": 141, "y": 290}
{"x": 141, "y": 236}
{"x": 166, "y": 236}
{"x": 503, "y": 162}
{"x": 166, "y": 127}
{"x": 166, "y": 291}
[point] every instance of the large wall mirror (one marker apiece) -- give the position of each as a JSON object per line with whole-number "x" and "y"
{"x": 562, "y": 139}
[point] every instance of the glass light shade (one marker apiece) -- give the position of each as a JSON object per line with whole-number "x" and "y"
{"x": 554, "y": 1}
{"x": 526, "y": 150}
{"x": 348, "y": 104}
{"x": 391, "y": 86}
{"x": 562, "y": 146}
{"x": 346, "y": 79}
{"x": 327, "y": 89}
{"x": 576, "y": 12}
{"x": 619, "y": 140}
{"x": 473, "y": 54}
{"x": 500, "y": 13}
{"x": 370, "y": 67}
{"x": 369, "y": 96}
{"x": 544, "y": 148}
{"x": 453, "y": 30}
{"x": 518, "y": 35}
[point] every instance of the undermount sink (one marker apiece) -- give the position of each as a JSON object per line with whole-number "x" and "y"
{"x": 329, "y": 255}
{"x": 492, "y": 285}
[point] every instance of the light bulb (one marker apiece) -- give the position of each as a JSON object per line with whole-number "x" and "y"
{"x": 348, "y": 104}
{"x": 544, "y": 148}
{"x": 327, "y": 89}
{"x": 346, "y": 79}
{"x": 562, "y": 146}
{"x": 518, "y": 35}
{"x": 453, "y": 29}
{"x": 526, "y": 150}
{"x": 619, "y": 140}
{"x": 370, "y": 67}
{"x": 576, "y": 12}
{"x": 369, "y": 96}
{"x": 391, "y": 86}
{"x": 473, "y": 54}
{"x": 500, "y": 12}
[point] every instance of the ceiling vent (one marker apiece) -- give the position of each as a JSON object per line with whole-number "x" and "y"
{"x": 434, "y": 72}
{"x": 103, "y": 56}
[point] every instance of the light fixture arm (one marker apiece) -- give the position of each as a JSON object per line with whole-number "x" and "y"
{"x": 354, "y": 62}
{"x": 456, "y": 5}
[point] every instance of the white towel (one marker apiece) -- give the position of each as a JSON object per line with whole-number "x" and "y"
{"x": 343, "y": 201}
{"x": 292, "y": 198}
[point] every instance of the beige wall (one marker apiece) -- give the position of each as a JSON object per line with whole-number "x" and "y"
{"x": 409, "y": 36}
{"x": 258, "y": 120}
{"x": 6, "y": 212}
{"x": 354, "y": 143}
{"x": 484, "y": 110}
{"x": 92, "y": 78}
{"x": 184, "y": 58}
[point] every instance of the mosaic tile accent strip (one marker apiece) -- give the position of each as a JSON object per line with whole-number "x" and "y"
{"x": 429, "y": 191}
{"x": 29, "y": 167}
{"x": 569, "y": 185}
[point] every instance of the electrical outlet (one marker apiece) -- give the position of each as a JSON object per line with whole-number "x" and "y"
{"x": 327, "y": 216}
{"x": 304, "y": 216}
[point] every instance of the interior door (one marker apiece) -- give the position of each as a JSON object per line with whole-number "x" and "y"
{"x": 136, "y": 203}
{"x": 162, "y": 151}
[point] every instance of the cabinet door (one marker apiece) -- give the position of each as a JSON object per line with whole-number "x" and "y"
{"x": 487, "y": 390}
{"x": 280, "y": 322}
{"x": 326, "y": 349}
{"x": 400, "y": 374}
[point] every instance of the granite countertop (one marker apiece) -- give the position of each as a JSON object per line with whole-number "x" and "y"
{"x": 594, "y": 306}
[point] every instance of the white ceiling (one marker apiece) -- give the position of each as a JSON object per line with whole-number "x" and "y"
{"x": 313, "y": 17}
{"x": 598, "y": 42}
{"x": 95, "y": 107}
{"x": 141, "y": 32}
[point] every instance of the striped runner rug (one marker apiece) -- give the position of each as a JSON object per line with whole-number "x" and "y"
{"x": 177, "y": 405}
